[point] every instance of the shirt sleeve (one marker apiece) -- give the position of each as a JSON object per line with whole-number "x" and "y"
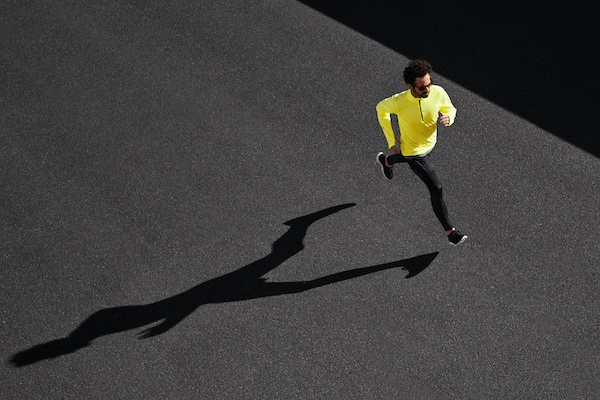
{"x": 447, "y": 107}
{"x": 385, "y": 108}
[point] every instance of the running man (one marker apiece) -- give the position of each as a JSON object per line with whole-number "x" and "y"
{"x": 418, "y": 111}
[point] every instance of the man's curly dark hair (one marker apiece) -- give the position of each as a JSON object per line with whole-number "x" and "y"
{"x": 416, "y": 69}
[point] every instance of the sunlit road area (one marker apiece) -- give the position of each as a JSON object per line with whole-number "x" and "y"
{"x": 191, "y": 207}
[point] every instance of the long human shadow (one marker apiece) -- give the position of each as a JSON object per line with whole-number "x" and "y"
{"x": 243, "y": 284}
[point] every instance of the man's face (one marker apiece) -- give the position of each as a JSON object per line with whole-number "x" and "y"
{"x": 421, "y": 87}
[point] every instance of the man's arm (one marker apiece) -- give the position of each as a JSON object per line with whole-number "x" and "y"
{"x": 447, "y": 110}
{"x": 385, "y": 108}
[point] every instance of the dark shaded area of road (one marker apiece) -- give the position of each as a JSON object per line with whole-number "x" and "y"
{"x": 533, "y": 59}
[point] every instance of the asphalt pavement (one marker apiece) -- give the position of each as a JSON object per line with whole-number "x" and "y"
{"x": 191, "y": 208}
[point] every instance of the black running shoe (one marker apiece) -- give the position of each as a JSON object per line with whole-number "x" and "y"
{"x": 388, "y": 172}
{"x": 456, "y": 238}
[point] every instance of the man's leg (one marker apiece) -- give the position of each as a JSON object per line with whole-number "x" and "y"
{"x": 424, "y": 170}
{"x": 395, "y": 159}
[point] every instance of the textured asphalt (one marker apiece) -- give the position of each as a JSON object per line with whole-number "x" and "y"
{"x": 191, "y": 210}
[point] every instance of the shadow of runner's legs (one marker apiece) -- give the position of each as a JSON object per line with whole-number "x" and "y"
{"x": 413, "y": 265}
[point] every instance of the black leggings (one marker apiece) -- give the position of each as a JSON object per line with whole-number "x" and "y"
{"x": 424, "y": 170}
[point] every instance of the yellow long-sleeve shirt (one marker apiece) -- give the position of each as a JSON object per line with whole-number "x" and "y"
{"x": 417, "y": 119}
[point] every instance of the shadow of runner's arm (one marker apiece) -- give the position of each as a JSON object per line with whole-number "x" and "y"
{"x": 243, "y": 284}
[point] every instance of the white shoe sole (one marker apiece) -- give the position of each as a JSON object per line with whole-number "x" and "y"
{"x": 380, "y": 165}
{"x": 461, "y": 241}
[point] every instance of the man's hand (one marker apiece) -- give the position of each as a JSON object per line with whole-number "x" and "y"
{"x": 395, "y": 150}
{"x": 444, "y": 119}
